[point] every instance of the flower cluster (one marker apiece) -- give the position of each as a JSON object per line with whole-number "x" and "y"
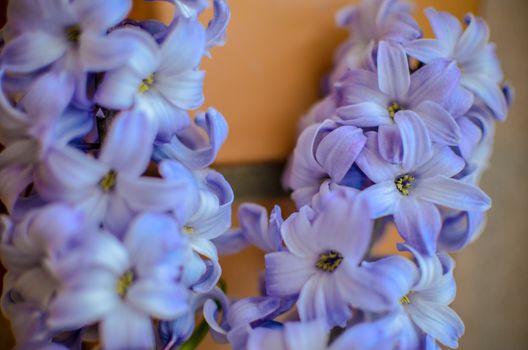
{"x": 400, "y": 140}
{"x": 105, "y": 174}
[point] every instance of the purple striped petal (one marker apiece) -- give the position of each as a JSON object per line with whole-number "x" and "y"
{"x": 393, "y": 70}
{"x": 441, "y": 125}
{"x": 416, "y": 143}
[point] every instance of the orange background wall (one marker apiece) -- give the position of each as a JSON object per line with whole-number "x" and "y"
{"x": 270, "y": 70}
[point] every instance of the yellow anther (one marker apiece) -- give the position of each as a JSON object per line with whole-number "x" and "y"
{"x": 406, "y": 300}
{"x": 108, "y": 182}
{"x": 329, "y": 261}
{"x": 123, "y": 283}
{"x": 188, "y": 230}
{"x": 73, "y": 33}
{"x": 404, "y": 183}
{"x": 146, "y": 84}
{"x": 394, "y": 108}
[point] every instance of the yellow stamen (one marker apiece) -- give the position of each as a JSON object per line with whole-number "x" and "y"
{"x": 188, "y": 230}
{"x": 123, "y": 283}
{"x": 108, "y": 182}
{"x": 329, "y": 261}
{"x": 73, "y": 33}
{"x": 404, "y": 183}
{"x": 146, "y": 84}
{"x": 394, "y": 108}
{"x": 406, "y": 300}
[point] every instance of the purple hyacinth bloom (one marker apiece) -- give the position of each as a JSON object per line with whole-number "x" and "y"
{"x": 413, "y": 190}
{"x": 67, "y": 35}
{"x": 255, "y": 229}
{"x": 409, "y": 110}
{"x": 323, "y": 151}
{"x": 381, "y": 334}
{"x": 161, "y": 80}
{"x": 323, "y": 264}
{"x": 371, "y": 22}
{"x": 123, "y": 285}
{"x": 27, "y": 248}
{"x": 110, "y": 189}
{"x": 472, "y": 52}
{"x": 191, "y": 147}
{"x": 211, "y": 219}
{"x": 424, "y": 310}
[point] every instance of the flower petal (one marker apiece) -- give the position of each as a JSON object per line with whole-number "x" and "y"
{"x": 474, "y": 38}
{"x": 160, "y": 300}
{"x": 126, "y": 328}
{"x": 31, "y": 51}
{"x": 393, "y": 70}
{"x": 118, "y": 89}
{"x": 286, "y": 274}
{"x": 382, "y": 198}
{"x": 371, "y": 163}
{"x": 446, "y": 27}
{"x": 434, "y": 82}
{"x": 184, "y": 89}
{"x": 489, "y": 91}
{"x": 444, "y": 161}
{"x": 100, "y": 15}
{"x": 416, "y": 142}
{"x": 419, "y": 223}
{"x": 390, "y": 143}
{"x": 439, "y": 321}
{"x": 364, "y": 114}
{"x": 441, "y": 125}
{"x": 452, "y": 193}
{"x": 426, "y": 50}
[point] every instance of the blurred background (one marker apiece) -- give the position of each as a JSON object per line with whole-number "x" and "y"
{"x": 269, "y": 74}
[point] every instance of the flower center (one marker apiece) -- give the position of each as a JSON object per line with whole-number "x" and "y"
{"x": 394, "y": 108}
{"x": 146, "y": 84}
{"x": 329, "y": 261}
{"x": 108, "y": 182}
{"x": 406, "y": 300}
{"x": 188, "y": 230}
{"x": 73, "y": 33}
{"x": 404, "y": 183}
{"x": 123, "y": 283}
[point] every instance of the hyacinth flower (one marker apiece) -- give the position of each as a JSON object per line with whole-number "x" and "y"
{"x": 472, "y": 52}
{"x": 65, "y": 35}
{"x": 161, "y": 80}
{"x": 188, "y": 8}
{"x": 380, "y": 334}
{"x": 323, "y": 264}
{"x": 369, "y": 23}
{"x": 323, "y": 151}
{"x": 424, "y": 311}
{"x": 29, "y": 130}
{"x": 410, "y": 110}
{"x": 122, "y": 285}
{"x": 413, "y": 191}
{"x": 27, "y": 246}
{"x": 110, "y": 189}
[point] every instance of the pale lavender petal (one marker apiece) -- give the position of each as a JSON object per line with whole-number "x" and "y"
{"x": 207, "y": 249}
{"x": 474, "y": 38}
{"x": 101, "y": 15}
{"x": 416, "y": 143}
{"x": 441, "y": 125}
{"x": 262, "y": 338}
{"x": 343, "y": 226}
{"x": 297, "y": 233}
{"x": 439, "y": 321}
{"x": 127, "y": 147}
{"x": 126, "y": 328}
{"x": 434, "y": 82}
{"x": 338, "y": 150}
{"x": 393, "y": 70}
{"x": 382, "y": 198}
{"x": 36, "y": 286}
{"x": 419, "y": 223}
{"x": 489, "y": 92}
{"x": 390, "y": 143}
{"x": 446, "y": 27}
{"x": 164, "y": 301}
{"x": 444, "y": 161}
{"x": 216, "y": 29}
{"x": 31, "y": 51}
{"x": 286, "y": 274}
{"x": 306, "y": 335}
{"x": 371, "y": 163}
{"x": 184, "y": 90}
{"x": 114, "y": 55}
{"x": 77, "y": 308}
{"x": 364, "y": 114}
{"x": 214, "y": 125}
{"x": 170, "y": 119}
{"x": 443, "y": 290}
{"x": 426, "y": 50}
{"x": 118, "y": 89}
{"x": 183, "y": 48}
{"x": 452, "y": 193}
{"x": 15, "y": 179}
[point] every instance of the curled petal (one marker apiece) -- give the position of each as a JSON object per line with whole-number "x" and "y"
{"x": 393, "y": 70}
